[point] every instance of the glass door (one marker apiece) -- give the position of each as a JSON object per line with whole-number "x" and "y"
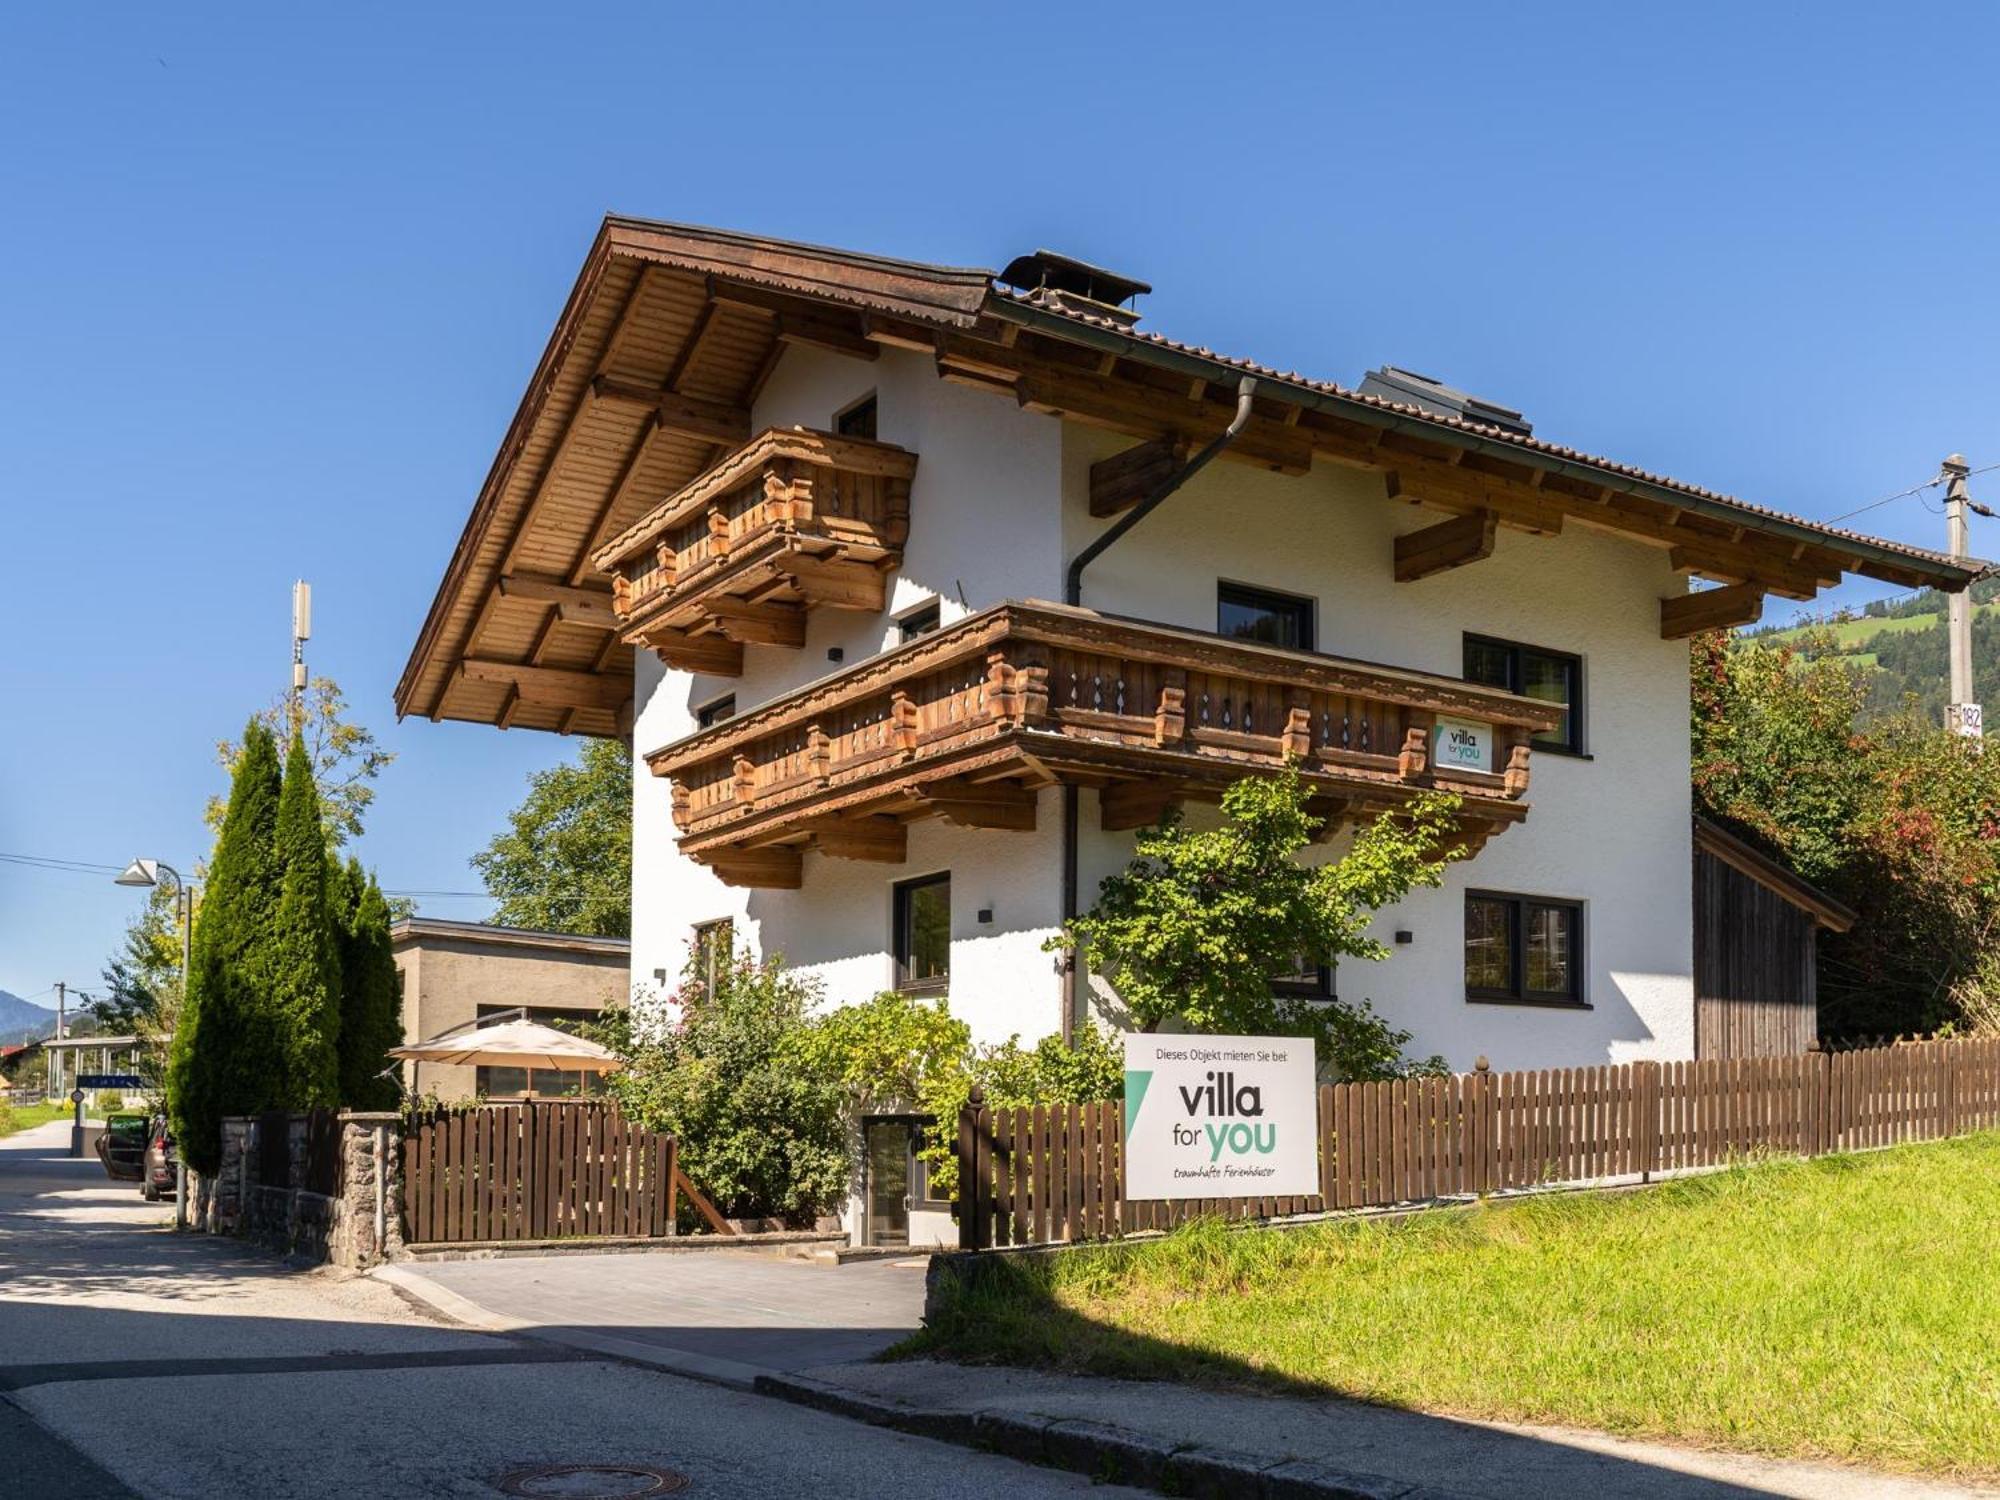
{"x": 887, "y": 1188}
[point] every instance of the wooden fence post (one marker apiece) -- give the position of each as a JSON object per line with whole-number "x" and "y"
{"x": 971, "y": 1183}
{"x": 1816, "y": 1101}
{"x": 1646, "y": 1118}
{"x": 1486, "y": 1175}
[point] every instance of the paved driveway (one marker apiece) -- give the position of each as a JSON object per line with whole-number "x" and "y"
{"x": 721, "y": 1307}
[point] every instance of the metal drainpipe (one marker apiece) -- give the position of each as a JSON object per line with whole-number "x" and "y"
{"x": 1246, "y": 388}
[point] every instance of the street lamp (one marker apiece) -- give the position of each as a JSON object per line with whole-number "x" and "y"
{"x": 147, "y": 873}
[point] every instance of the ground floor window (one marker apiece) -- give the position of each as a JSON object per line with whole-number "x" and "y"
{"x": 1524, "y": 950}
{"x": 538, "y": 1083}
{"x": 922, "y": 935}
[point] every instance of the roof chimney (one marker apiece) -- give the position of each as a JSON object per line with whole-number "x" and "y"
{"x": 1408, "y": 388}
{"x": 1068, "y": 285}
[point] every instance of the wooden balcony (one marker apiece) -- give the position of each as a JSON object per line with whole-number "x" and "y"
{"x": 791, "y": 521}
{"x": 970, "y": 722}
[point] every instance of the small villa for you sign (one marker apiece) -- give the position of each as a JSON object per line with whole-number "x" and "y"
{"x": 1219, "y": 1117}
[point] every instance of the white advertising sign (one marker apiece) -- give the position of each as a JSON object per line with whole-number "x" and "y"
{"x": 1220, "y": 1116}
{"x": 1464, "y": 744}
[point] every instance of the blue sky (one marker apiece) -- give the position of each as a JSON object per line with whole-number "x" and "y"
{"x": 271, "y": 285}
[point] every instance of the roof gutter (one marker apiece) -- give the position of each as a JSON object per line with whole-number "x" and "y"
{"x": 1111, "y": 340}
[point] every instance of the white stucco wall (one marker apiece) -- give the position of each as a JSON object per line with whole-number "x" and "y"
{"x": 1611, "y": 830}
{"x": 998, "y": 505}
{"x": 983, "y": 527}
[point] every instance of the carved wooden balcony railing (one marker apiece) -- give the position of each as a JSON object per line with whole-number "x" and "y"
{"x": 792, "y": 520}
{"x": 970, "y": 722}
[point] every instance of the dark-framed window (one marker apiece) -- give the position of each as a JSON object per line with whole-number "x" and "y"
{"x": 923, "y": 934}
{"x": 1307, "y": 980}
{"x": 919, "y": 621}
{"x": 1253, "y": 614}
{"x": 1523, "y": 950}
{"x": 712, "y": 944}
{"x": 858, "y": 421}
{"x": 713, "y": 712}
{"x": 1533, "y": 672}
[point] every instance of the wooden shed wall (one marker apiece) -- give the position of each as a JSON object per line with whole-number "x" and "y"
{"x": 1754, "y": 958}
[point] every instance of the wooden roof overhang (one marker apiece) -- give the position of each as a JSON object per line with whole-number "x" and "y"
{"x": 1716, "y": 841}
{"x": 670, "y": 332}
{"x": 970, "y": 722}
{"x": 647, "y": 382}
{"x": 791, "y": 521}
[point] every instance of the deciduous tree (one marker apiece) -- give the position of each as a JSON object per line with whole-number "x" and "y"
{"x": 1200, "y": 922}
{"x": 564, "y": 863}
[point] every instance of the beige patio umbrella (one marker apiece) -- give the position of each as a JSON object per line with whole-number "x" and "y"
{"x": 512, "y": 1044}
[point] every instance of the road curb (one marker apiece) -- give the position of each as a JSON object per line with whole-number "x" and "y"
{"x": 1105, "y": 1452}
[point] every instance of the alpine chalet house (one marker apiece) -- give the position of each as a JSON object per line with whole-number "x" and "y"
{"x": 919, "y": 589}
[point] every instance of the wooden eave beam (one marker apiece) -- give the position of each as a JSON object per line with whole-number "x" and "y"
{"x": 771, "y": 869}
{"x": 770, "y": 624}
{"x": 553, "y": 687}
{"x": 831, "y": 584}
{"x": 1126, "y": 805}
{"x": 982, "y": 804}
{"x": 866, "y": 836}
{"x": 1121, "y": 481}
{"x": 574, "y": 606}
{"x": 1711, "y": 609}
{"x": 711, "y": 421}
{"x": 714, "y": 655}
{"x": 1449, "y": 544}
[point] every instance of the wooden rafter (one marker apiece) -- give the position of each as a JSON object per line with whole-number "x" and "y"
{"x": 555, "y": 687}
{"x": 573, "y": 605}
{"x": 1124, "y": 479}
{"x": 1711, "y": 609}
{"x": 1449, "y": 544}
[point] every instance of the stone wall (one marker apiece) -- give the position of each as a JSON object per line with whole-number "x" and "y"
{"x": 357, "y": 1226}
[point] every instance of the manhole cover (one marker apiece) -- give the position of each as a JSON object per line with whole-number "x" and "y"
{"x": 592, "y": 1482}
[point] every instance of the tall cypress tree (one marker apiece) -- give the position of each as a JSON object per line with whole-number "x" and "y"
{"x": 302, "y": 975}
{"x": 223, "y": 1059}
{"x": 371, "y": 992}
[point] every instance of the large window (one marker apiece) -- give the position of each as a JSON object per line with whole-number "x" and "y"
{"x": 1260, "y": 615}
{"x": 1523, "y": 950}
{"x": 1552, "y": 676}
{"x": 923, "y": 935}
{"x": 1306, "y": 980}
{"x": 537, "y": 1083}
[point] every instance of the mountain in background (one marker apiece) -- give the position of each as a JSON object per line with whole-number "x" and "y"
{"x": 1900, "y": 645}
{"x": 22, "y": 1022}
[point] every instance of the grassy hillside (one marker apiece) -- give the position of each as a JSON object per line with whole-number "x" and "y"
{"x": 1900, "y": 645}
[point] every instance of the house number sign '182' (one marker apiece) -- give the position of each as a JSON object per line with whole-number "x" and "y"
{"x": 1220, "y": 1117}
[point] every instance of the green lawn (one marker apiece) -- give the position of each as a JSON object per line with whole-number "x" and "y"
{"x": 15, "y": 1117}
{"x": 1844, "y": 1308}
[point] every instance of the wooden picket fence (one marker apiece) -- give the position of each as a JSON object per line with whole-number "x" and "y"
{"x": 1045, "y": 1173}
{"x": 541, "y": 1171}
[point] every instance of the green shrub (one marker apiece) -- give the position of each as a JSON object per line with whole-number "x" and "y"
{"x": 760, "y": 1135}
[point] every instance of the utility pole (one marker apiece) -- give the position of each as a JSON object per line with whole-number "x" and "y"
{"x": 1963, "y": 714}
{"x": 52, "y": 1074}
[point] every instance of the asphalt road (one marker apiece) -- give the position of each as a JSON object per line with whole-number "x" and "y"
{"x": 134, "y": 1362}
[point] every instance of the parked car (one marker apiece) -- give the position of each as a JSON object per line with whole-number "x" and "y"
{"x": 122, "y": 1147}
{"x": 160, "y": 1162}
